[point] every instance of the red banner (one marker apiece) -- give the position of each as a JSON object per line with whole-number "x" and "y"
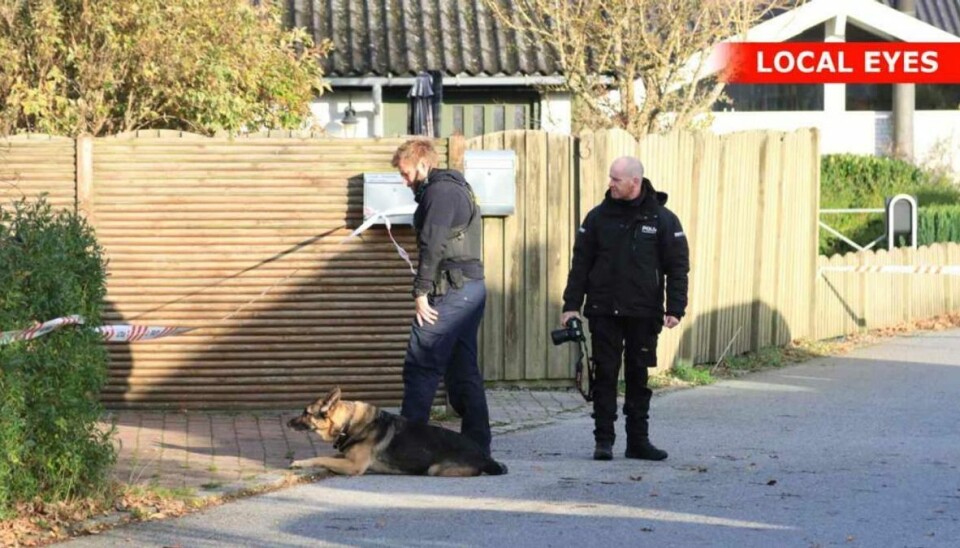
{"x": 840, "y": 62}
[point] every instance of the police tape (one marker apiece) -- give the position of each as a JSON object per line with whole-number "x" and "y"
{"x": 948, "y": 270}
{"x": 134, "y": 333}
{"x": 108, "y": 333}
{"x": 372, "y": 216}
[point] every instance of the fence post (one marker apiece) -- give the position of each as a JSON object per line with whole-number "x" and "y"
{"x": 456, "y": 145}
{"x": 84, "y": 176}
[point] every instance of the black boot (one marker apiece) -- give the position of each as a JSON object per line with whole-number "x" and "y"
{"x": 643, "y": 449}
{"x": 603, "y": 450}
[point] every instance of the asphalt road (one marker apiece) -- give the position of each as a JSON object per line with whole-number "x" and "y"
{"x": 860, "y": 450}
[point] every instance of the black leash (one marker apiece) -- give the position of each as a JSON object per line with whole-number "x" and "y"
{"x": 582, "y": 352}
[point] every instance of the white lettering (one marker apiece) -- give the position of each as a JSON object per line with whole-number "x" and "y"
{"x": 803, "y": 64}
{"x": 929, "y": 62}
{"x": 891, "y": 57}
{"x": 760, "y": 65}
{"x": 911, "y": 62}
{"x": 842, "y": 63}
{"x": 783, "y": 61}
{"x": 871, "y": 61}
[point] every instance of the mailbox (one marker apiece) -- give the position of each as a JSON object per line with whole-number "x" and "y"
{"x": 493, "y": 176}
{"x": 901, "y": 217}
{"x": 386, "y": 192}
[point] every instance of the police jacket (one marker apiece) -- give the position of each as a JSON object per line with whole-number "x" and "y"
{"x": 449, "y": 230}
{"x": 626, "y": 255}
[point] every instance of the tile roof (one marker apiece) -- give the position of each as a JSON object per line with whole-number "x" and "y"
{"x": 457, "y": 37}
{"x": 404, "y": 37}
{"x": 943, "y": 14}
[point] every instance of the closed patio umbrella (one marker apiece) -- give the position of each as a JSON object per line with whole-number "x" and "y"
{"x": 425, "y": 97}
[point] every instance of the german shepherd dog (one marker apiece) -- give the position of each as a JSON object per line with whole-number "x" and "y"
{"x": 370, "y": 439}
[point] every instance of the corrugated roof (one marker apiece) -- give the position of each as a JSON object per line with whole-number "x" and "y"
{"x": 943, "y": 14}
{"x": 404, "y": 37}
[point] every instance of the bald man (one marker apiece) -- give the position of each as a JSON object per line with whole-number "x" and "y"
{"x": 630, "y": 262}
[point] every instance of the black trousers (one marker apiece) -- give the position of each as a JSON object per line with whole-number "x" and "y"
{"x": 633, "y": 342}
{"x": 448, "y": 350}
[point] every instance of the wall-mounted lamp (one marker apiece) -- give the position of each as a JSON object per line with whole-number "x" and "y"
{"x": 349, "y": 121}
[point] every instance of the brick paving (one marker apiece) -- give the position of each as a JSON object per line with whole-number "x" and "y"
{"x": 221, "y": 452}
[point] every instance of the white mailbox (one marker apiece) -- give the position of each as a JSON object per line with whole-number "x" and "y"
{"x": 387, "y": 193}
{"x": 493, "y": 176}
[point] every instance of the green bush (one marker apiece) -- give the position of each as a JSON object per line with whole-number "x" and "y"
{"x": 854, "y": 181}
{"x": 938, "y": 224}
{"x": 50, "y": 266}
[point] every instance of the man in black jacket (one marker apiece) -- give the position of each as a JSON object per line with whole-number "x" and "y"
{"x": 629, "y": 250}
{"x": 449, "y": 292}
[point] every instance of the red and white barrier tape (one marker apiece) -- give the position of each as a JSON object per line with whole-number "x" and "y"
{"x": 372, "y": 216}
{"x": 949, "y": 270}
{"x": 109, "y": 333}
{"x": 133, "y": 333}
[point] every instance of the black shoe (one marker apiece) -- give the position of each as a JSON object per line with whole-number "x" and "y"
{"x": 603, "y": 451}
{"x": 645, "y": 451}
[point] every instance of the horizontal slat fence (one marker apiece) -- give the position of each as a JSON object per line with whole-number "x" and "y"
{"x": 242, "y": 239}
{"x": 34, "y": 164}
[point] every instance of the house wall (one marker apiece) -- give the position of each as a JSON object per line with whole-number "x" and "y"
{"x": 328, "y": 110}
{"x": 555, "y": 113}
{"x": 936, "y": 132}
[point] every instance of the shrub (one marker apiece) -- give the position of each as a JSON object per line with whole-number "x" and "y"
{"x": 854, "y": 181}
{"x": 938, "y": 224}
{"x": 50, "y": 446}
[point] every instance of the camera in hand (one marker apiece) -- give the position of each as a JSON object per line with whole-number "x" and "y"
{"x": 573, "y": 331}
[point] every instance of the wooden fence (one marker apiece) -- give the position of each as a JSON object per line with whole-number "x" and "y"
{"x": 241, "y": 238}
{"x": 850, "y": 302}
{"x": 748, "y": 202}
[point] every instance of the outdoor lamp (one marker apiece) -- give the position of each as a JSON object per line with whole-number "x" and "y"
{"x": 350, "y": 121}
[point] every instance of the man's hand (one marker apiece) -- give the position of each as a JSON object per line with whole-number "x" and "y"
{"x": 670, "y": 322}
{"x": 565, "y": 317}
{"x": 425, "y": 312}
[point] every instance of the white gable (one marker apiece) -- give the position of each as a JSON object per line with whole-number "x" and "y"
{"x": 870, "y": 15}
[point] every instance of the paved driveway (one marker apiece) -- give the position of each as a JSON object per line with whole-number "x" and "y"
{"x": 860, "y": 450}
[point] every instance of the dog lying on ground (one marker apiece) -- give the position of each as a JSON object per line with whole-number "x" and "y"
{"x": 370, "y": 439}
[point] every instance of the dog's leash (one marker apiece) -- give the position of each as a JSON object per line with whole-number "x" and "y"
{"x": 582, "y": 352}
{"x": 133, "y": 333}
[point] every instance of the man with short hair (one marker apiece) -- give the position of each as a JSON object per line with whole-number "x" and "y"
{"x": 629, "y": 250}
{"x": 449, "y": 292}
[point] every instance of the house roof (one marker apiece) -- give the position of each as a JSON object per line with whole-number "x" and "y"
{"x": 943, "y": 14}
{"x": 390, "y": 38}
{"x": 875, "y": 16}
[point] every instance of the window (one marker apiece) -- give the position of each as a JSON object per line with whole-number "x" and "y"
{"x": 771, "y": 97}
{"x": 458, "y": 119}
{"x": 478, "y": 121}
{"x": 469, "y": 111}
{"x": 867, "y": 96}
{"x": 938, "y": 97}
{"x": 777, "y": 97}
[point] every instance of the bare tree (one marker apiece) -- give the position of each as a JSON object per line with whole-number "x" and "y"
{"x": 635, "y": 64}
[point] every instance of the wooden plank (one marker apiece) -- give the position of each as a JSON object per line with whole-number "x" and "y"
{"x": 535, "y": 253}
{"x": 514, "y": 261}
{"x": 491, "y": 329}
{"x": 560, "y": 223}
